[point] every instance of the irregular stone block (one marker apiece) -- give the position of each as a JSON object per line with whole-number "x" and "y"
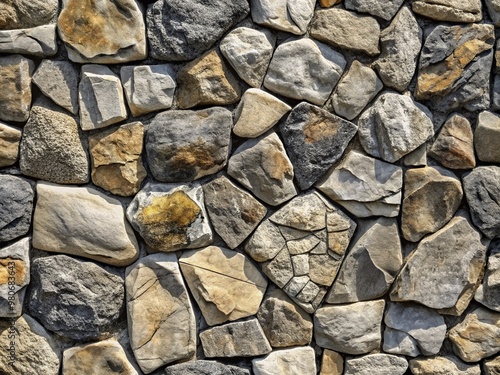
{"x": 487, "y": 136}
{"x": 488, "y": 292}
{"x": 23, "y": 14}
{"x": 448, "y": 365}
{"x": 416, "y": 158}
{"x": 450, "y": 10}
{"x": 332, "y": 363}
{"x": 383, "y": 363}
{"x": 292, "y": 16}
{"x": 296, "y": 361}
{"x": 38, "y": 41}
{"x": 203, "y": 367}
{"x": 492, "y": 367}
{"x": 493, "y": 7}
{"x": 9, "y": 144}
{"x": 380, "y": 8}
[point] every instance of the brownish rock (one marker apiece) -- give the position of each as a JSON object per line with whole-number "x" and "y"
{"x": 23, "y": 14}
{"x": 9, "y": 144}
{"x": 328, "y": 3}
{"x": 332, "y": 363}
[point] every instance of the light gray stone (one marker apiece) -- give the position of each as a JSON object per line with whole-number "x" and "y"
{"x": 203, "y": 367}
{"x": 23, "y": 14}
{"x": 385, "y": 9}
{"x": 416, "y": 158}
{"x": 38, "y": 41}
{"x": 450, "y": 10}
{"x": 493, "y": 7}
{"x": 381, "y": 363}
{"x": 488, "y": 292}
{"x": 16, "y": 195}
{"x": 445, "y": 365}
{"x": 9, "y": 144}
{"x": 265, "y": 242}
{"x": 487, "y": 136}
{"x": 296, "y": 361}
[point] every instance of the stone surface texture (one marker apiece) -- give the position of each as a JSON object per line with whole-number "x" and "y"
{"x": 292, "y": 16}
{"x": 38, "y": 41}
{"x": 297, "y": 361}
{"x": 9, "y": 144}
{"x": 449, "y": 10}
{"x": 22, "y": 14}
{"x": 17, "y": 196}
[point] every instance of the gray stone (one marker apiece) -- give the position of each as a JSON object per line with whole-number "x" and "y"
{"x": 265, "y": 242}
{"x": 450, "y": 10}
{"x": 9, "y": 144}
{"x": 23, "y": 14}
{"x": 495, "y": 99}
{"x": 38, "y": 41}
{"x": 380, "y": 8}
{"x": 305, "y": 70}
{"x": 448, "y": 365}
{"x": 187, "y": 145}
{"x": 493, "y": 7}
{"x": 203, "y": 367}
{"x": 314, "y": 139}
{"x": 161, "y": 321}
{"x": 488, "y": 292}
{"x": 82, "y": 303}
{"x": 416, "y": 158}
{"x": 292, "y": 16}
{"x": 487, "y": 136}
{"x": 239, "y": 339}
{"x": 381, "y": 363}
{"x": 182, "y": 30}
{"x": 296, "y": 361}
{"x": 394, "y": 126}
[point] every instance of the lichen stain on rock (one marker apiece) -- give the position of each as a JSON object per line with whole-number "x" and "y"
{"x": 276, "y": 165}
{"x": 317, "y": 130}
{"x": 19, "y": 271}
{"x": 187, "y": 160}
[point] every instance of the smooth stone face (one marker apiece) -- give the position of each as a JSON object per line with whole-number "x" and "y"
{"x": 487, "y": 136}
{"x": 182, "y": 30}
{"x": 290, "y": 73}
{"x": 16, "y": 195}
{"x": 383, "y": 363}
{"x": 239, "y": 339}
{"x": 296, "y": 361}
{"x": 38, "y": 41}
{"x": 450, "y": 10}
{"x": 394, "y": 126}
{"x": 224, "y": 283}
{"x": 332, "y": 363}
{"x": 249, "y": 52}
{"x": 292, "y": 16}
{"x": 493, "y": 7}
{"x": 170, "y": 217}
{"x": 53, "y": 148}
{"x": 448, "y": 365}
{"x": 233, "y": 212}
{"x": 81, "y": 303}
{"x": 343, "y": 29}
{"x": 82, "y": 221}
{"x": 9, "y": 144}
{"x": 380, "y": 8}
{"x": 315, "y": 139}
{"x": 148, "y": 88}
{"x": 203, "y": 367}
{"x": 351, "y": 329}
{"x": 488, "y": 292}
{"x": 102, "y": 32}
{"x": 23, "y": 14}
{"x": 161, "y": 320}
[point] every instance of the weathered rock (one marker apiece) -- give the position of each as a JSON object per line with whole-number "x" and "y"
{"x": 455, "y": 268}
{"x": 495, "y": 99}
{"x": 448, "y": 365}
{"x": 38, "y": 41}
{"x": 84, "y": 222}
{"x": 265, "y": 243}
{"x": 454, "y": 147}
{"x": 332, "y": 363}
{"x": 488, "y": 292}
{"x": 305, "y": 70}
{"x": 292, "y": 16}
{"x": 104, "y": 357}
{"x": 240, "y": 339}
{"x": 187, "y": 145}
{"x": 365, "y": 186}
{"x": 355, "y": 90}
{"x": 371, "y": 264}
{"x": 52, "y": 147}
{"x": 492, "y": 367}
{"x": 23, "y": 14}
{"x": 351, "y": 329}
{"x": 400, "y": 44}
{"x": 416, "y": 158}
{"x": 182, "y": 30}
{"x": 487, "y": 136}
{"x": 224, "y": 283}
{"x": 9, "y": 144}
{"x": 233, "y": 212}
{"x": 16, "y": 195}
{"x": 170, "y": 217}
{"x": 432, "y": 196}
{"x": 100, "y": 98}
{"x": 493, "y": 7}
{"x": 343, "y": 29}
{"x": 478, "y": 336}
{"x": 394, "y": 126}
{"x": 102, "y": 32}
{"x": 328, "y": 3}
{"x": 383, "y": 9}
{"x": 81, "y": 303}
{"x": 161, "y": 320}
{"x": 262, "y": 166}
{"x": 249, "y": 52}
{"x": 15, "y": 80}
{"x": 296, "y": 361}
{"x": 148, "y": 88}
{"x": 116, "y": 159}
{"x": 383, "y": 363}
{"x": 257, "y": 112}
{"x": 450, "y": 10}
{"x": 203, "y": 367}
{"x": 315, "y": 139}
{"x": 34, "y": 350}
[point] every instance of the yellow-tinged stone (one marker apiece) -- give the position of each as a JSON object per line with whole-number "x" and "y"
{"x": 328, "y": 3}
{"x": 9, "y": 145}
{"x": 332, "y": 363}
{"x": 15, "y": 268}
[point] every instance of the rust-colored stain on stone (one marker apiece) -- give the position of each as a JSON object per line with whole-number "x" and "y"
{"x": 317, "y": 130}
{"x": 276, "y": 166}
{"x": 197, "y": 156}
{"x": 19, "y": 270}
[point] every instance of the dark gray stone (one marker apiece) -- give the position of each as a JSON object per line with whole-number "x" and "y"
{"x": 16, "y": 205}
{"x": 203, "y": 367}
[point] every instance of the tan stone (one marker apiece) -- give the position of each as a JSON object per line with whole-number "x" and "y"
{"x": 328, "y": 3}
{"x": 9, "y": 145}
{"x": 22, "y": 14}
{"x": 332, "y": 363}
{"x": 15, "y": 81}
{"x": 492, "y": 366}
{"x": 449, "y": 10}
{"x": 448, "y": 365}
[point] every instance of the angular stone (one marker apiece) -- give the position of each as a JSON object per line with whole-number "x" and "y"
{"x": 394, "y": 126}
{"x": 22, "y": 14}
{"x": 82, "y": 221}
{"x": 38, "y": 41}
{"x": 448, "y": 365}
{"x": 35, "y": 351}
{"x": 380, "y": 8}
{"x": 249, "y": 52}
{"x": 16, "y": 195}
{"x": 187, "y": 145}
{"x": 15, "y": 80}
{"x": 104, "y": 357}
{"x": 351, "y": 329}
{"x": 493, "y": 7}
{"x": 224, "y": 283}
{"x": 100, "y": 97}
{"x": 431, "y": 198}
{"x": 349, "y": 30}
{"x": 478, "y": 336}
{"x": 296, "y": 361}
{"x": 495, "y": 99}
{"x": 203, "y": 367}
{"x": 262, "y": 166}
{"x": 400, "y": 44}
{"x": 9, "y": 144}
{"x": 257, "y": 112}
{"x": 487, "y": 136}
{"x": 239, "y": 339}
{"x": 161, "y": 321}
{"x": 461, "y": 259}
{"x": 416, "y": 158}
{"x": 365, "y": 186}
{"x": 454, "y": 147}
{"x": 265, "y": 243}
{"x": 233, "y": 212}
{"x": 102, "y": 32}
{"x": 332, "y": 363}
{"x": 488, "y": 292}
{"x": 383, "y": 363}
{"x": 292, "y": 16}
{"x": 58, "y": 80}
{"x": 315, "y": 139}
{"x": 81, "y": 303}
{"x": 53, "y": 148}
{"x": 492, "y": 367}
{"x": 305, "y": 70}
{"x": 450, "y": 10}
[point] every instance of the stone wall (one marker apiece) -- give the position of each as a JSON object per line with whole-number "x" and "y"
{"x": 269, "y": 187}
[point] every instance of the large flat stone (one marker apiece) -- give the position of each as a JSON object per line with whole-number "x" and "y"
{"x": 383, "y": 363}
{"x": 38, "y": 41}
{"x": 380, "y": 8}
{"x": 292, "y": 16}
{"x": 450, "y": 10}
{"x": 443, "y": 365}
{"x": 296, "y": 361}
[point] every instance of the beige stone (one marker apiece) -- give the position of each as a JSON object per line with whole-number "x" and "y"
{"x": 448, "y": 365}
{"x": 492, "y": 366}
{"x": 22, "y": 14}
{"x": 332, "y": 363}
{"x": 15, "y": 81}
{"x": 9, "y": 144}
{"x": 450, "y": 10}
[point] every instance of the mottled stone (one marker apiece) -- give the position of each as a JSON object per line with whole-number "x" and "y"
{"x": 14, "y": 277}
{"x": 380, "y": 8}
{"x": 448, "y": 365}
{"x": 416, "y": 158}
{"x": 38, "y": 41}
{"x": 487, "y": 136}
{"x": 332, "y": 363}
{"x": 296, "y": 361}
{"x": 493, "y": 7}
{"x": 381, "y": 363}
{"x": 292, "y": 16}
{"x": 9, "y": 144}
{"x": 492, "y": 366}
{"x": 16, "y": 195}
{"x": 488, "y": 292}
{"x": 450, "y": 10}
{"x": 328, "y": 3}
{"x": 22, "y": 14}
{"x": 203, "y": 367}
{"x": 265, "y": 242}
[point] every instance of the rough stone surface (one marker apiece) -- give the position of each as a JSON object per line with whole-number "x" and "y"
{"x": 315, "y": 70}
{"x": 492, "y": 366}
{"x": 416, "y": 158}
{"x": 161, "y": 320}
{"x": 449, "y": 10}
{"x": 332, "y": 363}
{"x": 297, "y": 361}
{"x": 38, "y": 41}
{"x": 328, "y": 3}
{"x": 448, "y": 365}
{"x": 382, "y": 363}
{"x": 224, "y": 283}
{"x": 488, "y": 292}
{"x": 493, "y": 7}
{"x": 203, "y": 367}
{"x": 9, "y": 144}
{"x": 82, "y": 303}
{"x": 82, "y": 221}
{"x": 487, "y": 136}
{"x": 23, "y": 14}
{"x": 383, "y": 9}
